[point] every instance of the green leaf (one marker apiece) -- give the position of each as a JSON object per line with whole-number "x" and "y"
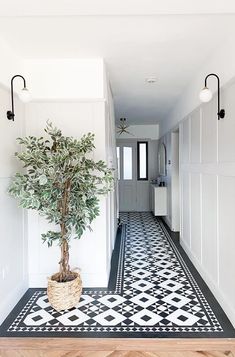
{"x": 51, "y": 163}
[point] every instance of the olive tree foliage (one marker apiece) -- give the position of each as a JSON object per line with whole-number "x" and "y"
{"x": 63, "y": 183}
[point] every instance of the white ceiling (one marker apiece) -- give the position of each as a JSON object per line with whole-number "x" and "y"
{"x": 113, "y": 7}
{"x": 170, "y": 47}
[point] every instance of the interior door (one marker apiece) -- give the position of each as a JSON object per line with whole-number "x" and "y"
{"x": 126, "y": 153}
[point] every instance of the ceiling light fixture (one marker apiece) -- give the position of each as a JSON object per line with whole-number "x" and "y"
{"x": 206, "y": 95}
{"x": 122, "y": 127}
{"x": 24, "y": 95}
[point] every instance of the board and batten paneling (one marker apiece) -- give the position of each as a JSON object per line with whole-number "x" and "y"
{"x": 226, "y": 215}
{"x": 209, "y": 225}
{"x": 195, "y": 136}
{"x": 195, "y": 218}
{"x": 13, "y": 240}
{"x": 207, "y": 179}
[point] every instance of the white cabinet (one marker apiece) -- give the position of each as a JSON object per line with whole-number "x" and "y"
{"x": 158, "y": 200}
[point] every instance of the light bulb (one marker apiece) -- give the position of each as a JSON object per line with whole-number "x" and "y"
{"x": 205, "y": 95}
{"x": 25, "y": 95}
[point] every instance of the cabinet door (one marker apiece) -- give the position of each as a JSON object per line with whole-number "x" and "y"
{"x": 160, "y": 201}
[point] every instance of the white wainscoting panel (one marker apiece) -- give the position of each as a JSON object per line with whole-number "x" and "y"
{"x": 226, "y": 213}
{"x": 186, "y": 142}
{"x": 209, "y": 226}
{"x": 195, "y": 136}
{"x": 13, "y": 240}
{"x": 209, "y": 124}
{"x": 196, "y": 215}
{"x": 207, "y": 175}
{"x": 186, "y": 219}
{"x": 226, "y": 133}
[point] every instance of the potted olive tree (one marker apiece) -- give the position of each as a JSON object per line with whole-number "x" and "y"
{"x": 63, "y": 183}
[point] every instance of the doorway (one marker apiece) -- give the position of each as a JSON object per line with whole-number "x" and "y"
{"x": 133, "y": 175}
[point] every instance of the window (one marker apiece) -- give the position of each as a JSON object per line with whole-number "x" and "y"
{"x": 118, "y": 162}
{"x": 142, "y": 160}
{"x": 127, "y": 163}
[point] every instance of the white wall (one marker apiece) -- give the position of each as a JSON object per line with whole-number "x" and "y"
{"x": 140, "y": 132}
{"x": 208, "y": 195}
{"x": 65, "y": 78}
{"x": 11, "y": 64}
{"x": 171, "y": 179}
{"x": 221, "y": 62}
{"x": 13, "y": 240}
{"x": 111, "y": 155}
{"x": 207, "y": 175}
{"x": 73, "y": 94}
{"x": 89, "y": 253}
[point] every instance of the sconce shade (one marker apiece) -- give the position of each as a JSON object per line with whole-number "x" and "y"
{"x": 205, "y": 95}
{"x": 25, "y": 95}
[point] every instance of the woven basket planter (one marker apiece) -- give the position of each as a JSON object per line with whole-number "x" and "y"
{"x": 63, "y": 296}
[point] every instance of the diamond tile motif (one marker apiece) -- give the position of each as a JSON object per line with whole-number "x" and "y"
{"x": 171, "y": 285}
{"x": 167, "y": 273}
{"x": 37, "y": 318}
{"x": 176, "y": 300}
{"x": 146, "y": 318}
{"x": 73, "y": 318}
{"x": 111, "y": 300}
{"x": 143, "y": 300}
{"x": 182, "y": 318}
{"x": 141, "y": 273}
{"x": 139, "y": 264}
{"x": 154, "y": 295}
{"x": 142, "y": 285}
{"x": 109, "y": 318}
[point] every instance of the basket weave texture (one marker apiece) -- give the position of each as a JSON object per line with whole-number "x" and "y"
{"x": 63, "y": 296}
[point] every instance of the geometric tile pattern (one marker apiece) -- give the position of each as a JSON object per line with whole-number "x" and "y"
{"x": 156, "y": 295}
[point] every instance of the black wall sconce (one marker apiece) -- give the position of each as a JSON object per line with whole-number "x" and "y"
{"x": 206, "y": 95}
{"x": 24, "y": 96}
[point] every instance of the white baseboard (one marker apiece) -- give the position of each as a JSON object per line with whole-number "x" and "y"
{"x": 9, "y": 302}
{"x": 215, "y": 289}
{"x": 88, "y": 280}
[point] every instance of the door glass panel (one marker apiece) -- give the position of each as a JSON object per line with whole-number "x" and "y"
{"x": 142, "y": 161}
{"x": 118, "y": 161}
{"x": 127, "y": 163}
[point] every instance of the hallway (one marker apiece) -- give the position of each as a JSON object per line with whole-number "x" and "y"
{"x": 154, "y": 291}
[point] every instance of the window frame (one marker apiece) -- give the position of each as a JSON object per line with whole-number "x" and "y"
{"x": 138, "y": 161}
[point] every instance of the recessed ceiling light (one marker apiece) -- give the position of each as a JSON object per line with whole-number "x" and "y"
{"x": 151, "y": 80}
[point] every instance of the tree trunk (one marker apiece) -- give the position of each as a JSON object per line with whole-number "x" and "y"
{"x": 64, "y": 262}
{"x": 65, "y": 273}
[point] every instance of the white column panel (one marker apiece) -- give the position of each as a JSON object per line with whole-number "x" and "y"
{"x": 227, "y": 127}
{"x": 226, "y": 199}
{"x": 186, "y": 141}
{"x": 195, "y": 136}
{"x": 186, "y": 209}
{"x": 209, "y": 132}
{"x": 13, "y": 240}
{"x": 196, "y": 215}
{"x": 209, "y": 226}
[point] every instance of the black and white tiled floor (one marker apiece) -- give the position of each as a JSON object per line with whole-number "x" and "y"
{"x": 152, "y": 293}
